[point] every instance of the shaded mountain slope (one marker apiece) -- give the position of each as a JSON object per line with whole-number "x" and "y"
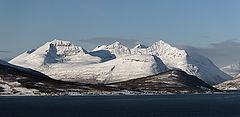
{"x": 174, "y": 81}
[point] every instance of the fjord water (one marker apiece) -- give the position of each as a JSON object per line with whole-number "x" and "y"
{"x": 220, "y": 105}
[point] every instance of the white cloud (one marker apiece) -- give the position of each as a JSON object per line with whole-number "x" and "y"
{"x": 221, "y": 53}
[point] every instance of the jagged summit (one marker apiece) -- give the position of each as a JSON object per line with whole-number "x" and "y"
{"x": 164, "y": 47}
{"x": 66, "y": 47}
{"x": 139, "y": 46}
{"x": 161, "y": 42}
{"x": 116, "y": 48}
{"x": 117, "y": 43}
{"x": 171, "y": 55}
{"x": 60, "y": 42}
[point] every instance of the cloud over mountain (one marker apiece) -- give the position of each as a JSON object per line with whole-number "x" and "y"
{"x": 221, "y": 53}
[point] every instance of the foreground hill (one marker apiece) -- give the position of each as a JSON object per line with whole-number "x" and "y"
{"x": 229, "y": 85}
{"x": 174, "y": 81}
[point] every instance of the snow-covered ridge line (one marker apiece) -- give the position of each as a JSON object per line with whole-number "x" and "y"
{"x": 66, "y": 47}
{"x": 116, "y": 48}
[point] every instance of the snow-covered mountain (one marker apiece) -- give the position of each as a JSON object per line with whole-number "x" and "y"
{"x": 56, "y": 51}
{"x": 233, "y": 69}
{"x": 115, "y": 62}
{"x": 191, "y": 63}
{"x": 173, "y": 57}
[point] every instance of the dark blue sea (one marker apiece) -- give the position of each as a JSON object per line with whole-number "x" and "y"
{"x": 180, "y": 105}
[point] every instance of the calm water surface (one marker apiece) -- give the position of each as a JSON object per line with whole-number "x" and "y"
{"x": 217, "y": 105}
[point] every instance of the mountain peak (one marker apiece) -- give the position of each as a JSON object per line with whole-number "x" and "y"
{"x": 117, "y": 43}
{"x": 115, "y": 48}
{"x": 60, "y": 42}
{"x": 161, "y": 41}
{"x": 167, "y": 49}
{"x": 65, "y": 47}
{"x": 51, "y": 52}
{"x": 140, "y": 46}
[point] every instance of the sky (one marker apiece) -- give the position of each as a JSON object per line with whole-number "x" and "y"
{"x": 27, "y": 24}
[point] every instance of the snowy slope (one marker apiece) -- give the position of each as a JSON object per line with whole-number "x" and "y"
{"x": 120, "y": 69}
{"x": 232, "y": 70}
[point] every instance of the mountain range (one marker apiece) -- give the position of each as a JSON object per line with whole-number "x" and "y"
{"x": 62, "y": 60}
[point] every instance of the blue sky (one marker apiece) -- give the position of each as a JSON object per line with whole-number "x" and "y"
{"x": 27, "y": 24}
